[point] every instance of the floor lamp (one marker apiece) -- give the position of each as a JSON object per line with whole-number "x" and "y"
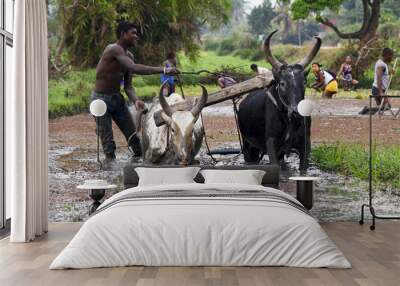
{"x": 370, "y": 205}
{"x": 304, "y": 184}
{"x": 305, "y": 108}
{"x": 98, "y": 108}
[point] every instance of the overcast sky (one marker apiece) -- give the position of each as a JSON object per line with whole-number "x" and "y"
{"x": 252, "y": 3}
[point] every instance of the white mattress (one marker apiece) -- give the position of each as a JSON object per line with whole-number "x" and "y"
{"x": 202, "y": 231}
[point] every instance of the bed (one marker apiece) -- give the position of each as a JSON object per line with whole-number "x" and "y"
{"x": 201, "y": 224}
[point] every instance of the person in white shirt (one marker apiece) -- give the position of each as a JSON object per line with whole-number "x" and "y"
{"x": 259, "y": 70}
{"x": 382, "y": 78}
{"x": 324, "y": 80}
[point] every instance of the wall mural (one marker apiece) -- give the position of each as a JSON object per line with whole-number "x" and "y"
{"x": 296, "y": 98}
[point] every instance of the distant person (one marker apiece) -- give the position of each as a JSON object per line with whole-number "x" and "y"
{"x": 170, "y": 62}
{"x": 324, "y": 80}
{"x": 116, "y": 64}
{"x": 259, "y": 70}
{"x": 225, "y": 81}
{"x": 345, "y": 73}
{"x": 382, "y": 78}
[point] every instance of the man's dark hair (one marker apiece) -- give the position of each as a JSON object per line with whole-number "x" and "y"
{"x": 170, "y": 55}
{"x": 317, "y": 63}
{"x": 253, "y": 67}
{"x": 123, "y": 27}
{"x": 387, "y": 52}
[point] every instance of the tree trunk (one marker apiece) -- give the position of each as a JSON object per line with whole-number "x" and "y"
{"x": 61, "y": 43}
{"x": 369, "y": 28}
{"x": 59, "y": 50}
{"x": 369, "y": 34}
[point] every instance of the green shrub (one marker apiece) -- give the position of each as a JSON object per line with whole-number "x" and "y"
{"x": 211, "y": 44}
{"x": 353, "y": 160}
{"x": 243, "y": 53}
{"x": 257, "y": 55}
{"x": 227, "y": 46}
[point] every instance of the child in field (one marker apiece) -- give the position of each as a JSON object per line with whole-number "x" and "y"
{"x": 325, "y": 80}
{"x": 170, "y": 86}
{"x": 347, "y": 76}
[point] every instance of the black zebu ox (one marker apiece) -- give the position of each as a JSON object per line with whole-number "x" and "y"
{"x": 268, "y": 118}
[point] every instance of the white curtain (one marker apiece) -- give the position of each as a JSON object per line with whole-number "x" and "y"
{"x": 27, "y": 123}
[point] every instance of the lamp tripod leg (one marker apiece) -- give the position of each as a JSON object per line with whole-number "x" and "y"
{"x": 98, "y": 142}
{"x": 361, "y": 221}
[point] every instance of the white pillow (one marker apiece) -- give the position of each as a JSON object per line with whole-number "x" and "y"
{"x": 163, "y": 176}
{"x": 248, "y": 177}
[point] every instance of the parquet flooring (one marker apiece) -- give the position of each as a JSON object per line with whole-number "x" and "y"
{"x": 374, "y": 255}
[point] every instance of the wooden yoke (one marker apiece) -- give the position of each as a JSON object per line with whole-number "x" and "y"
{"x": 227, "y": 93}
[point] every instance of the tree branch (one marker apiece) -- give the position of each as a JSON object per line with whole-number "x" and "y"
{"x": 370, "y": 7}
{"x": 354, "y": 35}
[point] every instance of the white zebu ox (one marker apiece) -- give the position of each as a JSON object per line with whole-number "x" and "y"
{"x": 180, "y": 139}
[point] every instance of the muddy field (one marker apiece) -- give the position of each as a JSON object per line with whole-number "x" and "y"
{"x": 72, "y": 158}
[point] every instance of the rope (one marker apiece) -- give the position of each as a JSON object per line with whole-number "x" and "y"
{"x": 215, "y": 161}
{"x": 235, "y": 110}
{"x": 180, "y": 85}
{"x": 205, "y": 140}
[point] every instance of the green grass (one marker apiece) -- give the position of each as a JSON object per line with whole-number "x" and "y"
{"x": 357, "y": 94}
{"x": 71, "y": 94}
{"x": 211, "y": 61}
{"x": 352, "y": 160}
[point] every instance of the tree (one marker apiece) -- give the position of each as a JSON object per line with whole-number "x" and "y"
{"x": 283, "y": 19}
{"x": 238, "y": 11}
{"x": 301, "y": 9}
{"x": 260, "y": 18}
{"x": 86, "y": 27}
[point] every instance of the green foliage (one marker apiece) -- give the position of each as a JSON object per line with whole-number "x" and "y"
{"x": 352, "y": 160}
{"x": 70, "y": 95}
{"x": 243, "y": 53}
{"x": 260, "y": 18}
{"x": 211, "y": 44}
{"x": 166, "y": 25}
{"x": 301, "y": 9}
{"x": 235, "y": 41}
{"x": 227, "y": 46}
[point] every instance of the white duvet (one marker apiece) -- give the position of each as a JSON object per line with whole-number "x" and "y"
{"x": 188, "y": 231}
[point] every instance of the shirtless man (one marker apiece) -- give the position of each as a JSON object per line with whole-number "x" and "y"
{"x": 115, "y": 68}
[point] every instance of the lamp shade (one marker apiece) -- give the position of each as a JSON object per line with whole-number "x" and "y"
{"x": 98, "y": 107}
{"x": 305, "y": 107}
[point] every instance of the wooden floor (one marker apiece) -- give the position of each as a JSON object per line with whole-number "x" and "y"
{"x": 374, "y": 255}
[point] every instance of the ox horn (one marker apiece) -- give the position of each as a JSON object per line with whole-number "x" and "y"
{"x": 267, "y": 50}
{"x": 164, "y": 104}
{"x": 200, "y": 103}
{"x": 307, "y": 60}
